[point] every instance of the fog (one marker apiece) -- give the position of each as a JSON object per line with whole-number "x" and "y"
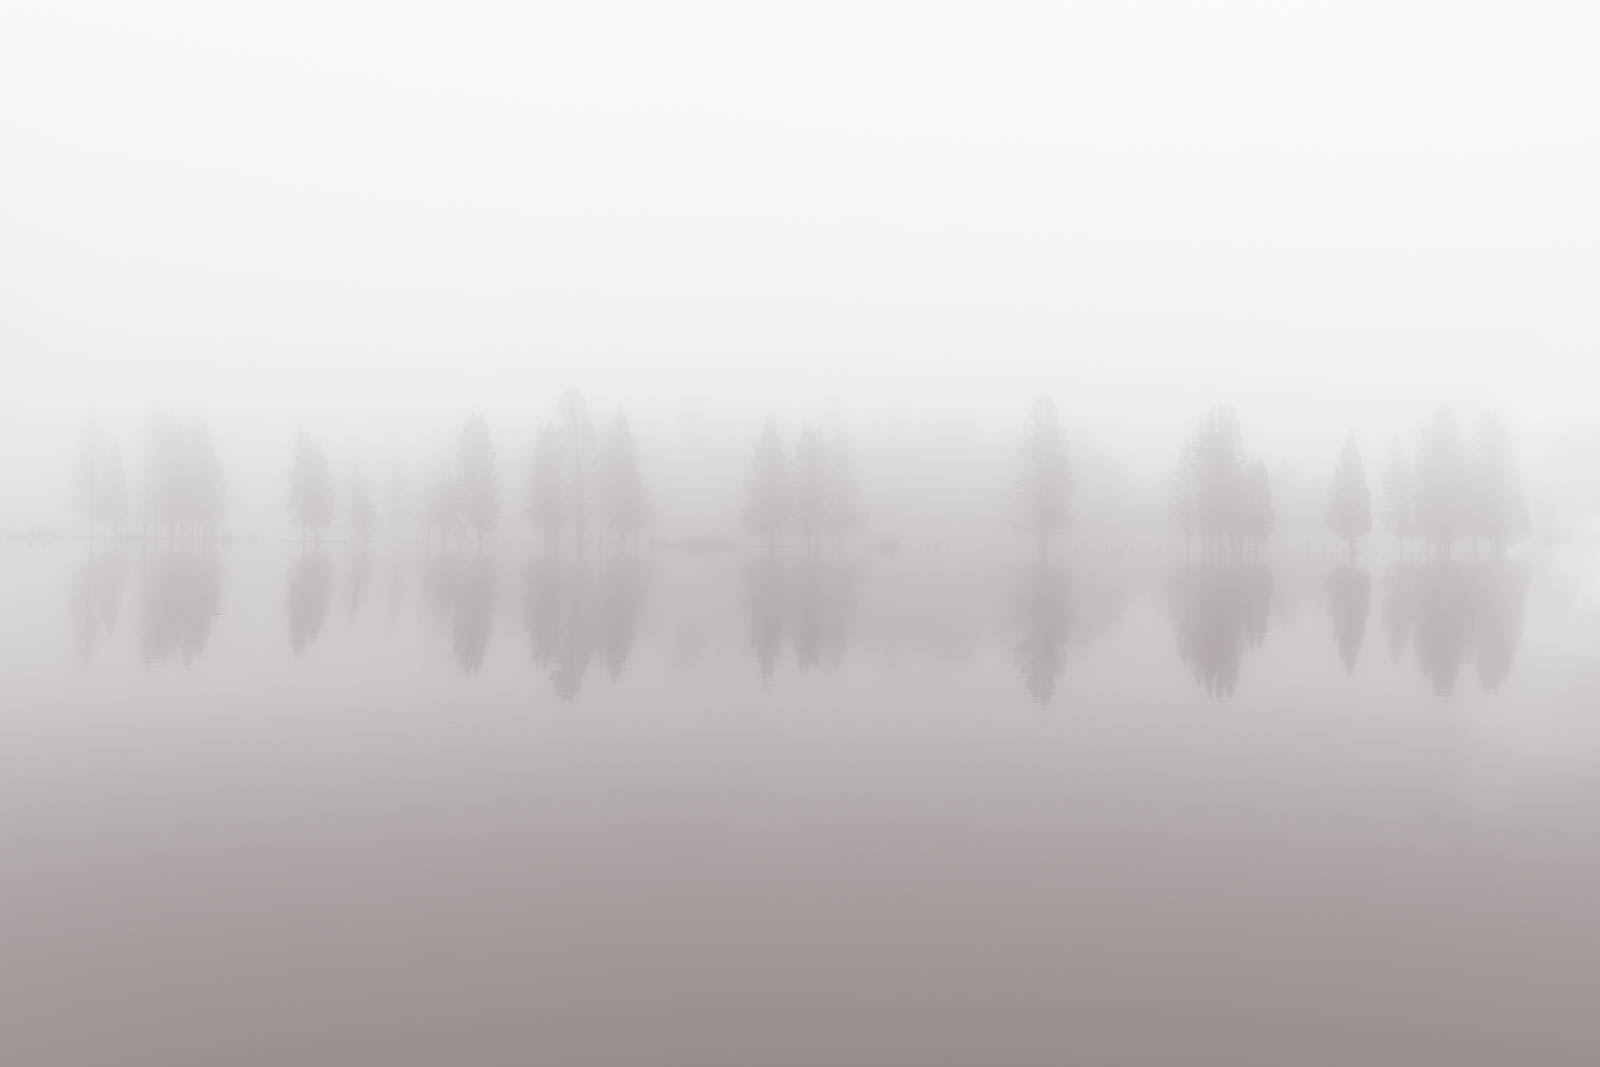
{"x": 871, "y": 533}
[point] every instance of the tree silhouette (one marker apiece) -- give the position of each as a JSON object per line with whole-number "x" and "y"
{"x": 1218, "y": 610}
{"x": 1349, "y": 510}
{"x": 310, "y": 591}
{"x": 1044, "y": 623}
{"x": 767, "y": 495}
{"x": 102, "y": 489}
{"x": 1442, "y": 493}
{"x": 310, "y": 487}
{"x": 1219, "y": 494}
{"x": 547, "y": 508}
{"x": 1185, "y": 506}
{"x": 1259, "y": 519}
{"x": 1349, "y": 597}
{"x": 578, "y": 449}
{"x": 810, "y": 501}
{"x": 1044, "y": 485}
{"x": 183, "y": 476}
{"x": 362, "y": 513}
{"x": 842, "y": 503}
{"x": 180, "y": 597}
{"x": 1399, "y": 495}
{"x": 622, "y": 482}
{"x": 1499, "y": 506}
{"x": 475, "y": 486}
{"x": 97, "y": 599}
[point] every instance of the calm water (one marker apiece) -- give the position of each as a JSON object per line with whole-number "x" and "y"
{"x": 265, "y": 807}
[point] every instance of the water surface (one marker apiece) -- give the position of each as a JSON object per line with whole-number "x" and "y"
{"x": 272, "y": 805}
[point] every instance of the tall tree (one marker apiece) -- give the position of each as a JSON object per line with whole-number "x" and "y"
{"x": 477, "y": 498}
{"x": 810, "y": 485}
{"x": 842, "y": 506}
{"x": 1442, "y": 486}
{"x": 1349, "y": 510}
{"x": 362, "y": 513}
{"x": 310, "y": 487}
{"x": 101, "y": 489}
{"x": 767, "y": 496}
{"x": 1399, "y": 495}
{"x": 1258, "y": 516}
{"x": 1044, "y": 485}
{"x": 1499, "y": 502}
{"x": 622, "y": 482}
{"x": 547, "y": 506}
{"x": 578, "y": 447}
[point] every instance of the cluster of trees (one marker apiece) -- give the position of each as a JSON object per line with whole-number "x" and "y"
{"x": 585, "y": 479}
{"x": 1221, "y": 495}
{"x": 814, "y": 492}
{"x": 101, "y": 485}
{"x": 1044, "y": 482}
{"x": 1449, "y": 490}
{"x": 181, "y": 492}
{"x": 580, "y": 480}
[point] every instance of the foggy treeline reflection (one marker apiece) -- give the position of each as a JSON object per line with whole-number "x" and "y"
{"x": 582, "y": 614}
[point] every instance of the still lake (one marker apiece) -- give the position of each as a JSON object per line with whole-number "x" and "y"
{"x": 270, "y": 806}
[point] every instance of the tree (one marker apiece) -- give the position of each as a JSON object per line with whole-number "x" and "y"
{"x": 101, "y": 489}
{"x": 1349, "y": 511}
{"x": 842, "y": 506}
{"x": 578, "y": 448}
{"x": 622, "y": 483}
{"x": 1442, "y": 490}
{"x": 1044, "y": 488}
{"x": 767, "y": 497}
{"x": 810, "y": 485}
{"x": 475, "y": 487}
{"x": 310, "y": 487}
{"x": 1399, "y": 495}
{"x": 546, "y": 498}
{"x": 362, "y": 511}
{"x": 1258, "y": 517}
{"x": 1220, "y": 470}
{"x": 183, "y": 476}
{"x": 1499, "y": 505}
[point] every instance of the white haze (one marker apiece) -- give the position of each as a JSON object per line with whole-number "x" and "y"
{"x": 372, "y": 218}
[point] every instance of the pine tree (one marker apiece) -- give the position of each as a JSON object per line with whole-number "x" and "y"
{"x": 475, "y": 485}
{"x": 1044, "y": 487}
{"x": 310, "y": 487}
{"x": 1349, "y": 510}
{"x": 622, "y": 482}
{"x": 546, "y": 500}
{"x": 767, "y": 495}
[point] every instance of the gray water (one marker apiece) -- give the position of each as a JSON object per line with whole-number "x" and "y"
{"x": 266, "y": 806}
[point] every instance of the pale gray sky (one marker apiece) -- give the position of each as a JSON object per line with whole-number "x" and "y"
{"x": 1333, "y": 215}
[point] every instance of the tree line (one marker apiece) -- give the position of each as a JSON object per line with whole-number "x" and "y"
{"x": 585, "y": 482}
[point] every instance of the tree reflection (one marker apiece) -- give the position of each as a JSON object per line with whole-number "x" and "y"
{"x": 811, "y": 605}
{"x": 1349, "y": 598}
{"x": 573, "y": 609}
{"x": 180, "y": 595}
{"x": 1218, "y": 610}
{"x": 1445, "y": 609}
{"x": 310, "y": 588}
{"x": 357, "y": 580}
{"x": 97, "y": 599}
{"x": 460, "y": 593}
{"x": 1045, "y": 618}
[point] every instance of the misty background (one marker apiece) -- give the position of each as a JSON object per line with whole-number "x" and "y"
{"x": 370, "y": 221}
